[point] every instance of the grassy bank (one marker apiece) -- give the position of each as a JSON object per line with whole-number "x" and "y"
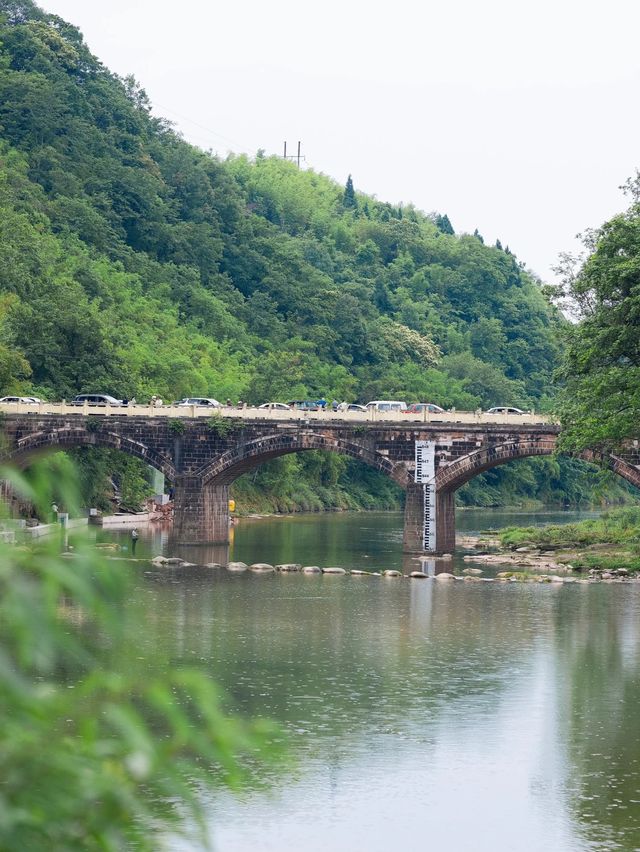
{"x": 617, "y": 526}
{"x": 607, "y": 543}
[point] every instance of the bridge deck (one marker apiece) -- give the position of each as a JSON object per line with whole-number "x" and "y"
{"x": 252, "y": 414}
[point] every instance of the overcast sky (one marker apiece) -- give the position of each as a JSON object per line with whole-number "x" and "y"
{"x": 518, "y": 118}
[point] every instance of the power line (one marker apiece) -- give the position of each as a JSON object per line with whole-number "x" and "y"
{"x": 298, "y": 157}
{"x": 233, "y": 142}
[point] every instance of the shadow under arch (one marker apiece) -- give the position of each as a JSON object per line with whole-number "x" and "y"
{"x": 40, "y": 443}
{"x": 451, "y": 477}
{"x": 244, "y": 458}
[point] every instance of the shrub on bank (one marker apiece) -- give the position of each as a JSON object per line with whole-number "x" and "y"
{"x": 607, "y": 562}
{"x": 617, "y": 526}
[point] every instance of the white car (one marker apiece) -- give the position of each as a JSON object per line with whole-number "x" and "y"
{"x": 276, "y": 406}
{"x": 96, "y": 399}
{"x": 24, "y": 400}
{"x": 504, "y": 409}
{"x": 387, "y": 405}
{"x": 199, "y": 401}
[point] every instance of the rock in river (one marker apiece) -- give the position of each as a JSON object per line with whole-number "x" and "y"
{"x": 311, "y": 569}
{"x": 261, "y": 568}
{"x": 237, "y": 566}
{"x": 445, "y": 576}
{"x": 333, "y": 571}
{"x": 392, "y": 573}
{"x": 288, "y": 567}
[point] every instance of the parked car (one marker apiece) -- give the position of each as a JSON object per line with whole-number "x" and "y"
{"x": 199, "y": 401}
{"x": 419, "y": 407}
{"x": 504, "y": 409}
{"x": 277, "y": 406}
{"x": 353, "y": 406}
{"x": 387, "y": 405}
{"x": 304, "y": 405}
{"x": 96, "y": 399}
{"x": 24, "y": 400}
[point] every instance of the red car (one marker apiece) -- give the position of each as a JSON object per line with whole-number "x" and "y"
{"x": 419, "y": 407}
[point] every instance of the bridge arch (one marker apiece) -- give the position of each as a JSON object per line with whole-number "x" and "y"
{"x": 451, "y": 477}
{"x": 249, "y": 455}
{"x": 43, "y": 442}
{"x": 616, "y": 464}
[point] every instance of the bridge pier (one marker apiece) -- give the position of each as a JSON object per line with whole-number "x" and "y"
{"x": 200, "y": 512}
{"x": 413, "y": 536}
{"x": 445, "y": 521}
{"x": 413, "y": 533}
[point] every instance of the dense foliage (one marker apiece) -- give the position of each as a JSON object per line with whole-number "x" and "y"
{"x": 559, "y": 480}
{"x": 97, "y": 754}
{"x": 601, "y": 369}
{"x": 136, "y": 264}
{"x": 133, "y": 261}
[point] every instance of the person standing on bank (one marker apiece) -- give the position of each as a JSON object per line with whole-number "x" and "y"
{"x": 134, "y": 540}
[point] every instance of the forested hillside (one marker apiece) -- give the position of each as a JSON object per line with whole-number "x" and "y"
{"x": 135, "y": 264}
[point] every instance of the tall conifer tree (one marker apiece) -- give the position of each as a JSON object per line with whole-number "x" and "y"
{"x": 349, "y": 200}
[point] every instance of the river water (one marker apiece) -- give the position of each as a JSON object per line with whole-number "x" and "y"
{"x": 420, "y": 715}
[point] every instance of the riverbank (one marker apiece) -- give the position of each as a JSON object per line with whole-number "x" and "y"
{"x": 608, "y": 545}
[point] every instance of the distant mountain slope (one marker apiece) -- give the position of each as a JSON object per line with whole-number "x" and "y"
{"x": 132, "y": 262}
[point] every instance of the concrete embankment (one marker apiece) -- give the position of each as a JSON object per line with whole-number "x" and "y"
{"x": 40, "y": 530}
{"x": 122, "y": 519}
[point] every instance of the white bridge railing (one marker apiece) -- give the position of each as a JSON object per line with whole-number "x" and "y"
{"x": 279, "y": 415}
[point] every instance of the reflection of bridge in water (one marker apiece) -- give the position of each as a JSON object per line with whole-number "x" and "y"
{"x": 429, "y": 456}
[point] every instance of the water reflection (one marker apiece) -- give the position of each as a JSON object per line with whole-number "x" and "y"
{"x": 462, "y": 716}
{"x": 599, "y": 681}
{"x": 200, "y": 554}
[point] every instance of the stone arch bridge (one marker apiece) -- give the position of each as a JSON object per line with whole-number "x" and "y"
{"x": 430, "y": 460}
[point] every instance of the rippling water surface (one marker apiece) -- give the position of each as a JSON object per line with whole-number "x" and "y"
{"x": 421, "y": 715}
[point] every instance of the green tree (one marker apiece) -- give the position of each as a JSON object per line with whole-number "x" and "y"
{"x": 600, "y": 404}
{"x": 349, "y": 200}
{"x": 443, "y": 223}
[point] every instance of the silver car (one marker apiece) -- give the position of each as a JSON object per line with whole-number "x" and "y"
{"x": 505, "y": 409}
{"x": 277, "y": 406}
{"x": 200, "y": 401}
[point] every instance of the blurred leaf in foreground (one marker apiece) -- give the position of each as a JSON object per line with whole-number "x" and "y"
{"x": 95, "y": 754}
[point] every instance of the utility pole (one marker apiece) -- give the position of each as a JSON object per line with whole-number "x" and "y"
{"x": 297, "y": 157}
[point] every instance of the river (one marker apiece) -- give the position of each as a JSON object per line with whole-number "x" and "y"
{"x": 420, "y": 715}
